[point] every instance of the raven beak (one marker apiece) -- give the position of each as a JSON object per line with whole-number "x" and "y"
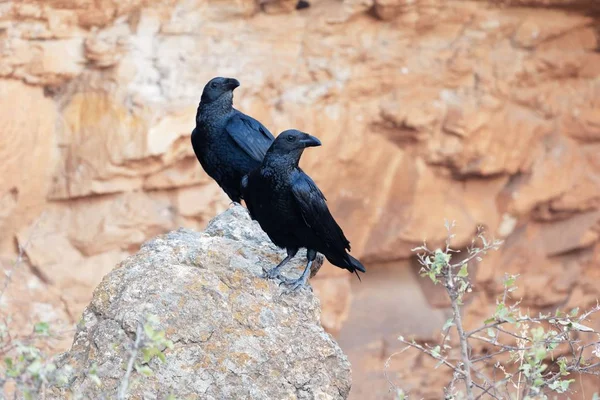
{"x": 310, "y": 141}
{"x": 232, "y": 83}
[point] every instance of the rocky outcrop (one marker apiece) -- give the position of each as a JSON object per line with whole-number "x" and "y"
{"x": 235, "y": 335}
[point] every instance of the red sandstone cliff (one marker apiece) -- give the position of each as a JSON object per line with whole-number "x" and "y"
{"x": 483, "y": 112}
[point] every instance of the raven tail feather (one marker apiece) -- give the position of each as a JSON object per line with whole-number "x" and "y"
{"x": 355, "y": 266}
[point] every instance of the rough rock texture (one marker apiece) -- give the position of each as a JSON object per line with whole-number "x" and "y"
{"x": 236, "y": 335}
{"x": 485, "y": 112}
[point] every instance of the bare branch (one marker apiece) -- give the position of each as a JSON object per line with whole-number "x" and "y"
{"x": 133, "y": 356}
{"x": 464, "y": 345}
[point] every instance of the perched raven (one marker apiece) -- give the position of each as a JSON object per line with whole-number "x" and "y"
{"x": 228, "y": 143}
{"x": 291, "y": 209}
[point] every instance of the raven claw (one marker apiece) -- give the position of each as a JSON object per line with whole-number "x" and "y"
{"x": 271, "y": 274}
{"x": 294, "y": 284}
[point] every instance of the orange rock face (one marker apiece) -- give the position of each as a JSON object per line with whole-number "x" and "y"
{"x": 487, "y": 113}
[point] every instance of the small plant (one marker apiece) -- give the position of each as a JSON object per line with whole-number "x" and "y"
{"x": 531, "y": 356}
{"x": 28, "y": 372}
{"x": 24, "y": 363}
{"x": 150, "y": 343}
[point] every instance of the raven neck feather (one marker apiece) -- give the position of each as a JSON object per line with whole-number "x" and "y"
{"x": 214, "y": 109}
{"x": 283, "y": 162}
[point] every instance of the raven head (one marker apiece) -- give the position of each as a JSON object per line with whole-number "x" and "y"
{"x": 292, "y": 140}
{"x": 217, "y": 87}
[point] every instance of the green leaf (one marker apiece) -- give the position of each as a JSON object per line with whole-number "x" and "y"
{"x": 582, "y": 328}
{"x": 42, "y": 328}
{"x": 94, "y": 378}
{"x": 565, "y": 384}
{"x": 538, "y": 333}
{"x": 35, "y": 367}
{"x": 432, "y": 275}
{"x": 491, "y": 333}
{"x": 148, "y": 354}
{"x": 144, "y": 370}
{"x": 94, "y": 369}
{"x": 400, "y": 395}
{"x": 562, "y": 364}
{"x": 561, "y": 386}
{"x": 574, "y": 312}
{"x": 448, "y": 324}
{"x": 558, "y": 313}
{"x": 463, "y": 273}
{"x": 540, "y": 354}
{"x": 159, "y": 336}
{"x": 441, "y": 257}
{"x": 153, "y": 319}
{"x": 50, "y": 367}
{"x": 500, "y": 308}
{"x": 12, "y": 370}
{"x": 503, "y": 314}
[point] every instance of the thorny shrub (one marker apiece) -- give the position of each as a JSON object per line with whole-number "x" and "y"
{"x": 532, "y": 357}
{"x": 27, "y": 372}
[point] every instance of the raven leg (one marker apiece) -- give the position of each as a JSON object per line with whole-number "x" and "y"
{"x": 301, "y": 281}
{"x": 274, "y": 272}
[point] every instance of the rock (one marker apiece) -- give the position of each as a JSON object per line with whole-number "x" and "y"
{"x": 106, "y": 48}
{"x": 559, "y": 156}
{"x": 28, "y": 299}
{"x": 536, "y": 28}
{"x": 277, "y": 6}
{"x": 235, "y": 334}
{"x": 24, "y": 199}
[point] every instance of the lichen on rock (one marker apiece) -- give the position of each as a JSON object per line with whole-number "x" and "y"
{"x": 235, "y": 335}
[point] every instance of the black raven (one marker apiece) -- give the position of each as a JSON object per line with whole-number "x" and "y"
{"x": 229, "y": 144}
{"x": 291, "y": 209}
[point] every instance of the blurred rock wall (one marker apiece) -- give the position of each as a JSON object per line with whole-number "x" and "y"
{"x": 485, "y": 112}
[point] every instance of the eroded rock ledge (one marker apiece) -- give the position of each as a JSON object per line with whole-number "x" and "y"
{"x": 236, "y": 335}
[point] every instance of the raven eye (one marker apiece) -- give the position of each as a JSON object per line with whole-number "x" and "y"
{"x": 290, "y": 138}
{"x": 213, "y": 85}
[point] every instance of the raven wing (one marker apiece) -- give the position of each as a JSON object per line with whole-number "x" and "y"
{"x": 246, "y": 195}
{"x": 250, "y": 135}
{"x": 315, "y": 213}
